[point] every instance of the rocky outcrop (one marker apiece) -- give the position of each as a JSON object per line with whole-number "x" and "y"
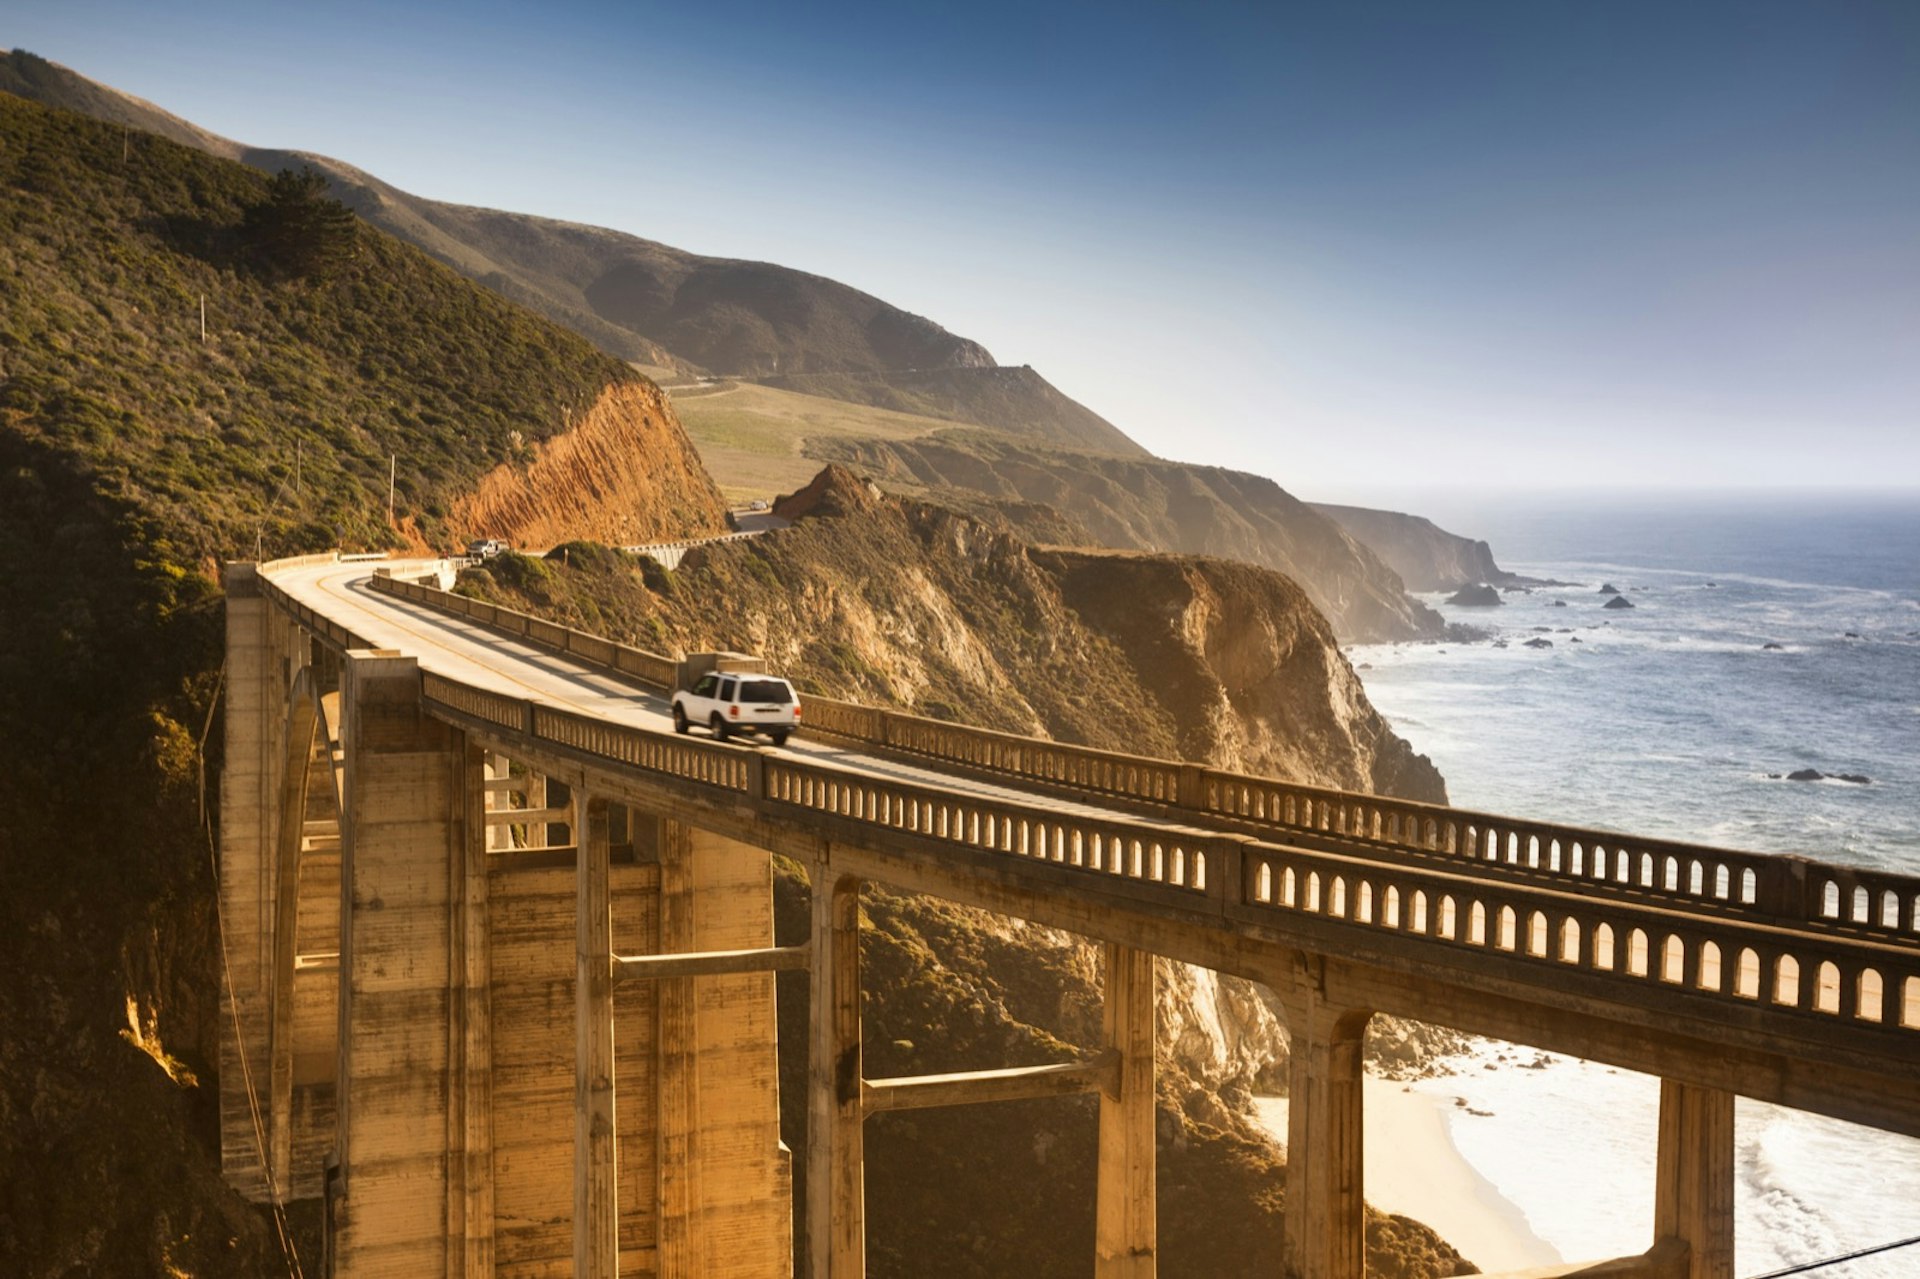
{"x": 1426, "y": 556}
{"x": 624, "y": 473}
{"x": 1150, "y": 504}
{"x": 1246, "y": 666}
{"x": 1618, "y": 601}
{"x": 1478, "y": 595}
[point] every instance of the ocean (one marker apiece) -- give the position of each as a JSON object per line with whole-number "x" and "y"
{"x": 1768, "y": 634}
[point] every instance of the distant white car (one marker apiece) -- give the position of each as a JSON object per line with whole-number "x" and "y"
{"x": 485, "y": 548}
{"x": 728, "y": 703}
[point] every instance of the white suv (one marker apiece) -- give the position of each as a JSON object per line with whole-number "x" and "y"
{"x": 729, "y": 703}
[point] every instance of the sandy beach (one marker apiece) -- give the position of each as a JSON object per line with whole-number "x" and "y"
{"x": 1413, "y": 1168}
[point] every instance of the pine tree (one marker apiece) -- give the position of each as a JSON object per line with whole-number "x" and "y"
{"x": 299, "y": 228}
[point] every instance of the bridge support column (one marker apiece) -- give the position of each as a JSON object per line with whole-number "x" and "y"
{"x": 836, "y": 1172}
{"x": 1326, "y": 1174}
{"x": 1695, "y": 1180}
{"x": 1125, "y": 1225}
{"x": 596, "y": 1201}
{"x": 401, "y": 835}
{"x": 724, "y": 1187}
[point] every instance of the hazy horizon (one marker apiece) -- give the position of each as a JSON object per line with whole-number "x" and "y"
{"x": 1378, "y": 249}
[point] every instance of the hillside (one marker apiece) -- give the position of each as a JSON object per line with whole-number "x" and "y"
{"x": 1426, "y": 556}
{"x": 133, "y": 456}
{"x": 1155, "y": 505}
{"x": 1016, "y": 401}
{"x": 635, "y": 298}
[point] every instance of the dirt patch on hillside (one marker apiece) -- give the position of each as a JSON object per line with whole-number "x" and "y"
{"x": 624, "y": 473}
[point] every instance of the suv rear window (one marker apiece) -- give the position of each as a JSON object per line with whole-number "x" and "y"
{"x": 772, "y": 691}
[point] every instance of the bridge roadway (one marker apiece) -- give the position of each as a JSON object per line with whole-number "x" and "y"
{"x": 1722, "y": 973}
{"x": 458, "y": 649}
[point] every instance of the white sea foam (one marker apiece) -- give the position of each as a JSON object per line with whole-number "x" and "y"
{"x": 1669, "y": 726}
{"x": 1573, "y": 1145}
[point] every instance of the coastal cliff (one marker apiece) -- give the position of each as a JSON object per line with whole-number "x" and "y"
{"x": 1149, "y": 504}
{"x": 1426, "y": 556}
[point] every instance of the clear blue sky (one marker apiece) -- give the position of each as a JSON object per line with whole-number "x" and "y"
{"x": 1361, "y": 247}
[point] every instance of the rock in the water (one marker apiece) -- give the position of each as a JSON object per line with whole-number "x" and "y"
{"x": 1853, "y": 635}
{"x": 1771, "y": 647}
{"x": 1805, "y": 775}
{"x": 1609, "y": 589}
{"x": 1479, "y": 595}
{"x": 1618, "y": 601}
{"x": 1574, "y": 640}
{"x": 1559, "y": 603}
{"x": 1537, "y": 642}
{"x": 1858, "y": 779}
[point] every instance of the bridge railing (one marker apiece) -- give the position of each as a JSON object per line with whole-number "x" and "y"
{"x": 1771, "y": 885}
{"x": 1841, "y": 899}
{"x": 1849, "y": 982}
{"x": 1857, "y": 991}
{"x": 648, "y": 668}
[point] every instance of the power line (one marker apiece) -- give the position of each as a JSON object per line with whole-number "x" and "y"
{"x": 279, "y": 1211}
{"x": 1806, "y": 1266}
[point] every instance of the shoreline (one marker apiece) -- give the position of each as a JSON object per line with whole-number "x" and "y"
{"x": 1414, "y": 1169}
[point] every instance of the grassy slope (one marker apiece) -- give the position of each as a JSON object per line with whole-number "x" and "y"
{"x": 752, "y": 438}
{"x": 1015, "y": 400}
{"x": 131, "y": 456}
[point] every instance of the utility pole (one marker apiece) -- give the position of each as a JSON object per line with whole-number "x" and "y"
{"x": 298, "y": 447}
{"x": 393, "y": 467}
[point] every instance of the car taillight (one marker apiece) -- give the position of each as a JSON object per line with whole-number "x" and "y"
{"x": 734, "y": 711}
{"x": 796, "y": 710}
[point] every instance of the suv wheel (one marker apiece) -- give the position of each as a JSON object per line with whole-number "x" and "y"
{"x": 779, "y": 736}
{"x": 680, "y": 724}
{"x": 720, "y": 729}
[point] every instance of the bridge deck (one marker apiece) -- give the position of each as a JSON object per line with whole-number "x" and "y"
{"x": 1782, "y": 979}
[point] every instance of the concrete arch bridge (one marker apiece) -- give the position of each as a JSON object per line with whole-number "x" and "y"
{"x": 502, "y": 954}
